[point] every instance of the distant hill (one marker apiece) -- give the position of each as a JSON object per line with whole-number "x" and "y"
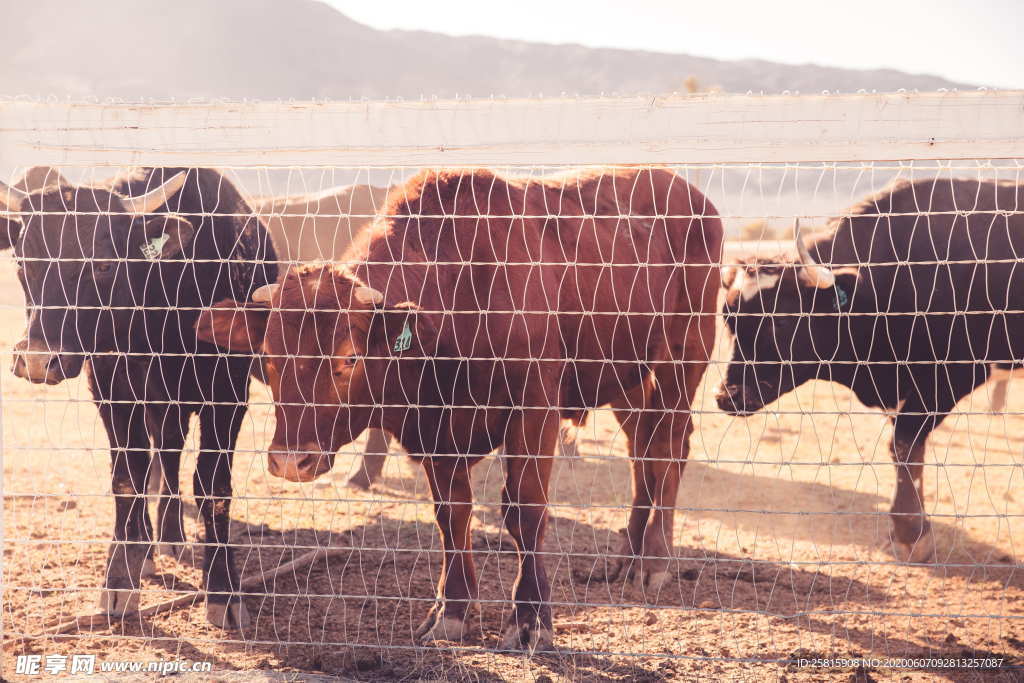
{"x": 302, "y": 49}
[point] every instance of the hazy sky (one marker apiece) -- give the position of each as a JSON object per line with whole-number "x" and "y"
{"x": 976, "y": 42}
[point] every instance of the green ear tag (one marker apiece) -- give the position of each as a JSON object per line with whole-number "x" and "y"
{"x": 155, "y": 246}
{"x": 404, "y": 340}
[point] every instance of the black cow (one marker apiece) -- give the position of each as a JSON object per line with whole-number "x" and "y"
{"x": 923, "y": 300}
{"x": 114, "y": 279}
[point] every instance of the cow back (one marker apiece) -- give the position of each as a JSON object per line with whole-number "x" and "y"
{"x": 945, "y": 248}
{"x": 320, "y": 226}
{"x": 590, "y": 270}
{"x": 230, "y": 256}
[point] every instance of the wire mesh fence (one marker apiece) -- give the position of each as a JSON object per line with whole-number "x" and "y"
{"x": 436, "y": 405}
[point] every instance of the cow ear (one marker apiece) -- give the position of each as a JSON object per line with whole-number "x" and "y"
{"x": 234, "y": 326}
{"x": 403, "y": 329}
{"x": 10, "y": 230}
{"x": 167, "y": 236}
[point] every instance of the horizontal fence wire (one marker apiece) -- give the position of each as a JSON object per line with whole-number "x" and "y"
{"x": 827, "y": 346}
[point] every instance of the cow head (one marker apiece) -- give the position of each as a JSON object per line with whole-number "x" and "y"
{"x": 78, "y": 251}
{"x": 785, "y": 321}
{"x": 330, "y": 347}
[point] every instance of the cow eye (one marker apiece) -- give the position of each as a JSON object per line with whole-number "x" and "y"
{"x": 102, "y": 266}
{"x": 349, "y": 362}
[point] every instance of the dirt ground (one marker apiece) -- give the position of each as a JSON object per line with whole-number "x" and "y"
{"x": 781, "y": 541}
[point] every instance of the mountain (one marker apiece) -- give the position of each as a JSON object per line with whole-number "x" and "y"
{"x": 302, "y": 49}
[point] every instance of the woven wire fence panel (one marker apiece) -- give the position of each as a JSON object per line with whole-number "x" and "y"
{"x": 568, "y": 325}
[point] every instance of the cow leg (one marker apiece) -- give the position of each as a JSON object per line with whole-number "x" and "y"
{"x": 130, "y": 554}
{"x": 568, "y": 436}
{"x": 452, "y": 492}
{"x": 168, "y": 429}
{"x": 372, "y": 461}
{"x": 530, "y": 441}
{"x": 219, "y": 427}
{"x": 937, "y": 391}
{"x": 656, "y": 417}
{"x": 911, "y": 530}
{"x": 665, "y": 440}
{"x": 640, "y": 511}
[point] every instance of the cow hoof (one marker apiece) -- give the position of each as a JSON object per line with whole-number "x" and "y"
{"x": 118, "y": 602}
{"x": 529, "y": 637}
{"x": 441, "y": 628}
{"x": 921, "y": 551}
{"x": 654, "y": 581}
{"x": 148, "y": 568}
{"x": 230, "y": 616}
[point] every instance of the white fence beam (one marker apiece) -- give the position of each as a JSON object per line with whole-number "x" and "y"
{"x": 670, "y": 130}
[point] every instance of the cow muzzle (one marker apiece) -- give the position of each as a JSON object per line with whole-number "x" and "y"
{"x": 738, "y": 399}
{"x": 42, "y": 364}
{"x": 304, "y": 464}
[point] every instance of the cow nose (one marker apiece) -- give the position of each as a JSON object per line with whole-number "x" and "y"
{"x": 726, "y": 396}
{"x": 734, "y": 399}
{"x": 38, "y": 366}
{"x": 305, "y": 464}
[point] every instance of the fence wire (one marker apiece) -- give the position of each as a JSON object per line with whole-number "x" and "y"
{"x": 829, "y": 348}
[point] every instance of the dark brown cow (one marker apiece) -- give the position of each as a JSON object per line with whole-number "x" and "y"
{"x": 911, "y": 299}
{"x": 457, "y": 333}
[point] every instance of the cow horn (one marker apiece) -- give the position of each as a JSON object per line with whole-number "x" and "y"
{"x": 262, "y": 294}
{"x": 812, "y": 273}
{"x": 368, "y": 295}
{"x": 146, "y": 203}
{"x": 11, "y": 197}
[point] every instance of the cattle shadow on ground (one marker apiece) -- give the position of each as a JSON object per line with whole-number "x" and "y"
{"x": 354, "y": 613}
{"x": 845, "y": 525}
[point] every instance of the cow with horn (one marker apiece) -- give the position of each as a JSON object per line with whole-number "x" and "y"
{"x": 459, "y": 332}
{"x": 114, "y": 278}
{"x": 920, "y": 308}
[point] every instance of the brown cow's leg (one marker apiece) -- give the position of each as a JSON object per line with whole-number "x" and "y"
{"x": 452, "y": 491}
{"x": 660, "y": 444}
{"x": 530, "y": 442}
{"x": 627, "y": 412}
{"x": 372, "y": 461}
{"x": 668, "y": 438}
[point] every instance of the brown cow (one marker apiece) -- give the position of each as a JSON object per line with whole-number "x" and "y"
{"x": 320, "y": 227}
{"x": 38, "y": 177}
{"x": 457, "y": 332}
